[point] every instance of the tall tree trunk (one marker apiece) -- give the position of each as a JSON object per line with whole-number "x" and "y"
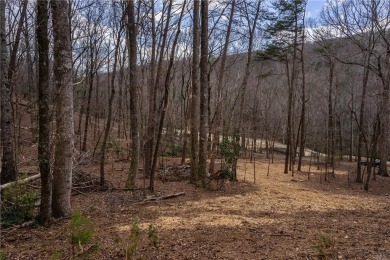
{"x": 244, "y": 84}
{"x": 167, "y": 83}
{"x": 110, "y": 103}
{"x": 351, "y": 128}
{"x": 331, "y": 134}
{"x": 64, "y": 142}
{"x": 43, "y": 111}
{"x": 31, "y": 77}
{"x": 149, "y": 137}
{"x": 218, "y": 109}
{"x": 289, "y": 115}
{"x": 371, "y": 152}
{"x": 204, "y": 51}
{"x": 88, "y": 113}
{"x": 368, "y": 52}
{"x": 359, "y": 177}
{"x": 302, "y": 136}
{"x": 8, "y": 167}
{"x": 294, "y": 80}
{"x": 81, "y": 113}
{"x": 8, "y": 173}
{"x": 194, "y": 119}
{"x": 385, "y": 118}
{"x": 132, "y": 38}
{"x": 158, "y": 82}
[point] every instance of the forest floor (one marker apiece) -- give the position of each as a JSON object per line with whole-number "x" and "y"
{"x": 266, "y": 215}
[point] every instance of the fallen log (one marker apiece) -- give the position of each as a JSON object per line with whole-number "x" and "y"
{"x": 157, "y": 199}
{"x": 165, "y": 197}
{"x": 28, "y": 179}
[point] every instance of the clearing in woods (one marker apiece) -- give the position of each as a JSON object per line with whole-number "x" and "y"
{"x": 278, "y": 217}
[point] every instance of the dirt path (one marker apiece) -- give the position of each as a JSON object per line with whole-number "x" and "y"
{"x": 278, "y": 217}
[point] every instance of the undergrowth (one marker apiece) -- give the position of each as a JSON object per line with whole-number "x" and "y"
{"x": 18, "y": 204}
{"x": 82, "y": 234}
{"x": 325, "y": 247}
{"x": 136, "y": 238}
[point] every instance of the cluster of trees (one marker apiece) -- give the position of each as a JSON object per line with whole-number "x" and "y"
{"x": 186, "y": 73}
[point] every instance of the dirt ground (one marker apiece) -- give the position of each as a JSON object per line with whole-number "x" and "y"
{"x": 266, "y": 215}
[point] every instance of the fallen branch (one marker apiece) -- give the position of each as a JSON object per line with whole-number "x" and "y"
{"x": 166, "y": 197}
{"x": 31, "y": 178}
{"x": 126, "y": 189}
{"x": 157, "y": 199}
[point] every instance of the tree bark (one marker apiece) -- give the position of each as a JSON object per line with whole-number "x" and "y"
{"x": 132, "y": 37}
{"x": 194, "y": 123}
{"x": 43, "y": 111}
{"x": 64, "y": 142}
{"x": 331, "y": 134}
{"x": 149, "y": 136}
{"x": 302, "y": 137}
{"x": 289, "y": 115}
{"x": 203, "y": 92}
{"x": 385, "y": 117}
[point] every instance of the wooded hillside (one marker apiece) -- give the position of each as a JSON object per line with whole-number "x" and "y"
{"x": 204, "y": 81}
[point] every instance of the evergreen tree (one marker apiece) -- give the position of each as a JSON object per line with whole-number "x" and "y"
{"x": 284, "y": 35}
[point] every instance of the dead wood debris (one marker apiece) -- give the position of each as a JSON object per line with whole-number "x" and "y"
{"x": 28, "y": 179}
{"x": 83, "y": 182}
{"x": 157, "y": 199}
{"x": 174, "y": 173}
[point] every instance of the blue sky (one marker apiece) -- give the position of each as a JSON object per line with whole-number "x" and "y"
{"x": 314, "y": 8}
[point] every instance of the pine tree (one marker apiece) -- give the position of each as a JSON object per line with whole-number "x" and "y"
{"x": 284, "y": 35}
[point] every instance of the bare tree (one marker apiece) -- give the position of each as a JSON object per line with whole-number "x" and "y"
{"x": 152, "y": 92}
{"x": 381, "y": 19}
{"x": 167, "y": 82}
{"x": 194, "y": 117}
{"x": 133, "y": 89}
{"x": 64, "y": 142}
{"x": 94, "y": 40}
{"x": 353, "y": 19}
{"x": 8, "y": 168}
{"x": 204, "y": 83}
{"x": 251, "y": 23}
{"x": 328, "y": 51}
{"x": 110, "y": 100}
{"x": 7, "y": 174}
{"x": 217, "y": 127}
{"x": 43, "y": 111}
